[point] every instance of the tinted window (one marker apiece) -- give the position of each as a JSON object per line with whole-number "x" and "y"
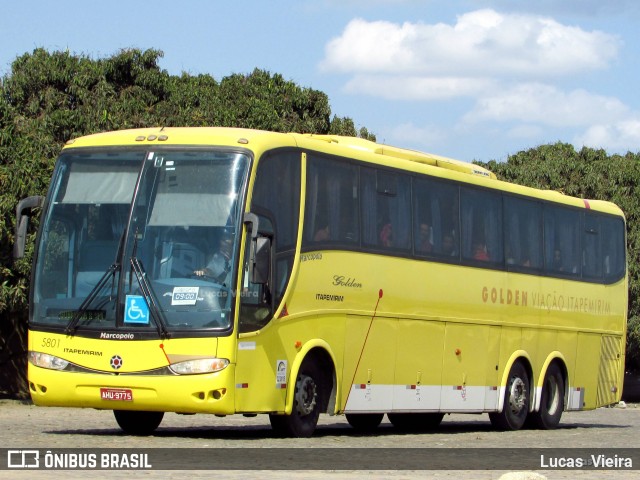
{"x": 276, "y": 195}
{"x": 591, "y": 246}
{"x": 332, "y": 202}
{"x": 562, "y": 240}
{"x": 481, "y": 220}
{"x": 351, "y": 206}
{"x": 523, "y": 233}
{"x": 435, "y": 219}
{"x": 386, "y": 209}
{"x": 613, "y": 248}
{"x": 276, "y": 200}
{"x": 603, "y": 248}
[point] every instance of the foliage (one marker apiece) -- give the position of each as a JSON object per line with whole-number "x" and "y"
{"x": 589, "y": 173}
{"x": 49, "y": 98}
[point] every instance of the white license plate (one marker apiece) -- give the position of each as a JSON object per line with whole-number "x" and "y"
{"x": 116, "y": 394}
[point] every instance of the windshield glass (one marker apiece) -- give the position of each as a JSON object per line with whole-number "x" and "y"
{"x": 89, "y": 205}
{"x": 176, "y": 270}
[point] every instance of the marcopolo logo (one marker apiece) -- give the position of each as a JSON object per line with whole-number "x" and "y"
{"x": 23, "y": 459}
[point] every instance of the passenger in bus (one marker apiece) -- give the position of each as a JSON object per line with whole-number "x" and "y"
{"x": 322, "y": 235}
{"x": 424, "y": 238}
{"x": 386, "y": 235}
{"x": 219, "y": 267}
{"x": 556, "y": 263}
{"x": 448, "y": 246}
{"x": 480, "y": 252}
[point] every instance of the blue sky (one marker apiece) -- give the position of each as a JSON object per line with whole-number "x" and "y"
{"x": 468, "y": 79}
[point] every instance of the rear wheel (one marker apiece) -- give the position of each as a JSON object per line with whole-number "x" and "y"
{"x": 308, "y": 401}
{"x": 415, "y": 421}
{"x": 551, "y": 401}
{"x": 364, "y": 421}
{"x": 138, "y": 423}
{"x": 516, "y": 400}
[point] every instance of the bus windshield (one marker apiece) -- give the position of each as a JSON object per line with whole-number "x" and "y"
{"x": 140, "y": 240}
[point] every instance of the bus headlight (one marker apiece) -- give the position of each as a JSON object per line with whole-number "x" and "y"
{"x": 45, "y": 360}
{"x": 202, "y": 365}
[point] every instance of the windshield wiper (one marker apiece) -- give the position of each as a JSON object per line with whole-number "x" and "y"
{"x": 84, "y": 306}
{"x": 156, "y": 313}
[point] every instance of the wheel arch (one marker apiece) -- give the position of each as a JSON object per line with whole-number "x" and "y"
{"x": 558, "y": 359}
{"x": 518, "y": 356}
{"x": 320, "y": 352}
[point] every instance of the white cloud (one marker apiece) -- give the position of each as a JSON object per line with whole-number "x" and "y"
{"x": 506, "y": 62}
{"x": 547, "y": 105}
{"x": 398, "y": 87}
{"x": 525, "y": 131}
{"x": 619, "y": 136}
{"x": 427, "y": 136}
{"x": 482, "y": 42}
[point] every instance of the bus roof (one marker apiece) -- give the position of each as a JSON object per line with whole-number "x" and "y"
{"x": 259, "y": 141}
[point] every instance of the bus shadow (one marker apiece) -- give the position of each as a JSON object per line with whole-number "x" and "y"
{"x": 262, "y": 432}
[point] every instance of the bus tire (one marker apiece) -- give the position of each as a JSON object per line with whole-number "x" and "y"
{"x": 308, "y": 400}
{"x": 516, "y": 400}
{"x": 138, "y": 423}
{"x": 364, "y": 422}
{"x": 416, "y": 421}
{"x": 551, "y": 400}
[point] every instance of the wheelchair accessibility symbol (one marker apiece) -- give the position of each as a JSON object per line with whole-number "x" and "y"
{"x": 136, "y": 309}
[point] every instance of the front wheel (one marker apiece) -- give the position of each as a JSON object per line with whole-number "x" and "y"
{"x": 516, "y": 401}
{"x": 308, "y": 401}
{"x": 138, "y": 423}
{"x": 552, "y": 400}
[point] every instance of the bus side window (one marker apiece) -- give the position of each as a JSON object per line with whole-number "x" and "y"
{"x": 436, "y": 219}
{"x": 331, "y": 209}
{"x": 255, "y": 299}
{"x": 386, "y": 209}
{"x": 481, "y": 219}
{"x": 603, "y": 248}
{"x": 523, "y": 233}
{"x": 613, "y": 249}
{"x": 562, "y": 241}
{"x": 276, "y": 201}
{"x": 591, "y": 251}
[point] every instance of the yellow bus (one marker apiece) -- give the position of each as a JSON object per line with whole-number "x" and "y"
{"x": 231, "y": 271}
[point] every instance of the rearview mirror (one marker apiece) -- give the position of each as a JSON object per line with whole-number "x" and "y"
{"x": 260, "y": 264}
{"x": 23, "y": 214}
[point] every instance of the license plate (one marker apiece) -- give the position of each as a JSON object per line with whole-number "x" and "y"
{"x": 116, "y": 394}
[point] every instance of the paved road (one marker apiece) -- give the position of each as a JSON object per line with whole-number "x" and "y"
{"x": 24, "y": 426}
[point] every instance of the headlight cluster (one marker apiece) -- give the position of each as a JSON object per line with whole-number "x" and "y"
{"x": 202, "y": 365}
{"x": 45, "y": 360}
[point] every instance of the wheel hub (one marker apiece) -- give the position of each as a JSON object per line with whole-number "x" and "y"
{"x": 306, "y": 394}
{"x": 517, "y": 396}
